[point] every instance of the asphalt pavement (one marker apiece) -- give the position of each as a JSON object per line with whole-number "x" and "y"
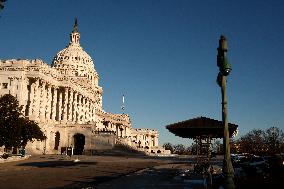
{"x": 102, "y": 172}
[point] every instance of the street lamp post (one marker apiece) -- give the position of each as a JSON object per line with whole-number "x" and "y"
{"x": 224, "y": 70}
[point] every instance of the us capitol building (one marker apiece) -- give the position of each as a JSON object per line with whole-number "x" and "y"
{"x": 65, "y": 99}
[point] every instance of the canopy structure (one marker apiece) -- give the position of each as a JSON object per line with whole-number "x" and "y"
{"x": 200, "y": 126}
{"x": 202, "y": 130}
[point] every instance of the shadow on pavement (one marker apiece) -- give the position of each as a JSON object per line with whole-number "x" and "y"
{"x": 45, "y": 164}
{"x": 87, "y": 184}
{"x": 143, "y": 178}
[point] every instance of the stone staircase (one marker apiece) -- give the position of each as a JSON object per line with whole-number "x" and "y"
{"x": 122, "y": 144}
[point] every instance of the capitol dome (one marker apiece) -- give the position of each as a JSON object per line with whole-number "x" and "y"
{"x": 73, "y": 60}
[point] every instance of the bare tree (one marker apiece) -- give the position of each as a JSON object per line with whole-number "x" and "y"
{"x": 274, "y": 139}
{"x": 259, "y": 142}
{"x": 168, "y": 146}
{"x": 253, "y": 142}
{"x": 179, "y": 149}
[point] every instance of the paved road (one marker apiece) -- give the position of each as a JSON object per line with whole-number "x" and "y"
{"x": 158, "y": 177}
{"x": 55, "y": 171}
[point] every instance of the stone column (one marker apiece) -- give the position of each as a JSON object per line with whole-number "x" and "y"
{"x": 48, "y": 103}
{"x": 87, "y": 110}
{"x": 117, "y": 130}
{"x": 84, "y": 110}
{"x": 11, "y": 86}
{"x": 65, "y": 104}
{"x": 156, "y": 140}
{"x": 31, "y": 109}
{"x": 42, "y": 101}
{"x": 60, "y": 105}
{"x": 36, "y": 100}
{"x": 75, "y": 107}
{"x": 92, "y": 109}
{"x": 80, "y": 107}
{"x": 26, "y": 96}
{"x": 54, "y": 104}
{"x": 111, "y": 126}
{"x": 70, "y": 106}
{"x": 100, "y": 101}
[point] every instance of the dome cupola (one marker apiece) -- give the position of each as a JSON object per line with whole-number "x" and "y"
{"x": 75, "y": 36}
{"x": 73, "y": 60}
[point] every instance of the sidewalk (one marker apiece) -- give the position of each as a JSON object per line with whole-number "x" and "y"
{"x": 158, "y": 177}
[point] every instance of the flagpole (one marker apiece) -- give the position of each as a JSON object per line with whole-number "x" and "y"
{"x": 123, "y": 106}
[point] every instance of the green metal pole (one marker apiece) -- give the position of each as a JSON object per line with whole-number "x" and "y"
{"x": 224, "y": 70}
{"x": 227, "y": 163}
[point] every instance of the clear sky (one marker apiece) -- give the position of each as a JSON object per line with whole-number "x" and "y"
{"x": 162, "y": 55}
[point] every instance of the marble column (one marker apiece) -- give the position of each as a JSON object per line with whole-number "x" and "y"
{"x": 54, "y": 104}
{"x": 70, "y": 105}
{"x": 87, "y": 110}
{"x": 117, "y": 130}
{"x": 83, "y": 109}
{"x": 12, "y": 86}
{"x": 156, "y": 140}
{"x": 92, "y": 109}
{"x": 75, "y": 107}
{"x": 48, "y": 102}
{"x": 26, "y": 96}
{"x": 42, "y": 101}
{"x": 31, "y": 110}
{"x": 36, "y": 100}
{"x": 80, "y": 107}
{"x": 60, "y": 105}
{"x": 65, "y": 104}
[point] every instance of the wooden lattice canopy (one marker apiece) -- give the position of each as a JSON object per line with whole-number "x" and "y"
{"x": 200, "y": 126}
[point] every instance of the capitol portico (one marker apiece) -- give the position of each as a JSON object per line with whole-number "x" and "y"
{"x": 65, "y": 99}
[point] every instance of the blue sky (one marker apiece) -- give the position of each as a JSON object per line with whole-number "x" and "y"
{"x": 162, "y": 55}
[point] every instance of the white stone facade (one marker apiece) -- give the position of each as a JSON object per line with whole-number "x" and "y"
{"x": 66, "y": 100}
